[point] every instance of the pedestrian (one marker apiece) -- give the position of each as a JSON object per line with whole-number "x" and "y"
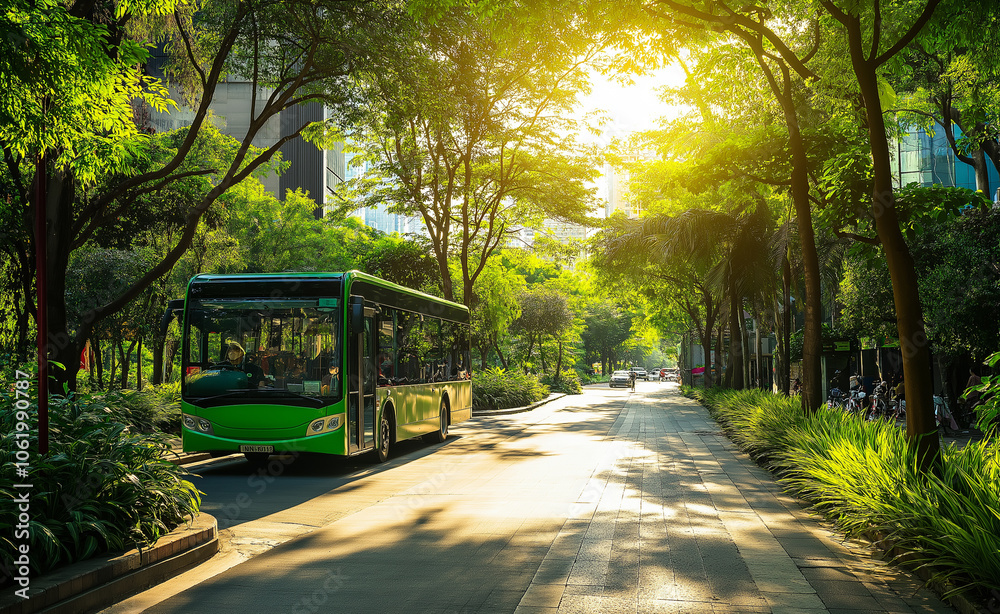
{"x": 972, "y": 397}
{"x": 796, "y": 387}
{"x": 631, "y": 379}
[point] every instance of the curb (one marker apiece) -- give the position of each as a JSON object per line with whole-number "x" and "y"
{"x": 100, "y": 582}
{"x": 518, "y": 410}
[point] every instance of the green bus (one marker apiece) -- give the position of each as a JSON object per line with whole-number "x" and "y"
{"x": 334, "y": 363}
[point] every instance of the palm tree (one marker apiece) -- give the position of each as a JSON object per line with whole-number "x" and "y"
{"x": 728, "y": 248}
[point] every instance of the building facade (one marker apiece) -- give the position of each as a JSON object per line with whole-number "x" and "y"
{"x": 928, "y": 159}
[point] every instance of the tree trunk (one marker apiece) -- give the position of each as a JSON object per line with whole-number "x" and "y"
{"x": 921, "y": 429}
{"x": 735, "y": 338}
{"x": 113, "y": 362}
{"x": 123, "y": 362}
{"x": 98, "y": 363}
{"x": 558, "y": 362}
{"x": 170, "y": 350}
{"x": 812, "y": 342}
{"x": 759, "y": 383}
{"x": 503, "y": 360}
{"x": 786, "y": 324}
{"x": 138, "y": 365}
{"x": 717, "y": 363}
{"x": 982, "y": 172}
{"x": 483, "y": 351}
{"x": 156, "y": 377}
{"x": 61, "y": 348}
{"x": 527, "y": 359}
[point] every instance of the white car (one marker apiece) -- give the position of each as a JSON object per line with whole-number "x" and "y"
{"x": 620, "y": 378}
{"x": 640, "y": 373}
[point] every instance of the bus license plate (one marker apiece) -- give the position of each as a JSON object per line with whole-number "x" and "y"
{"x": 268, "y": 449}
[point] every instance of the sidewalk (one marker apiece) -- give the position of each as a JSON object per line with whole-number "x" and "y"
{"x": 614, "y": 502}
{"x": 618, "y": 502}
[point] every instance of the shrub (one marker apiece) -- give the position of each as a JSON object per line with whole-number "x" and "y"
{"x": 496, "y": 388}
{"x": 863, "y": 475}
{"x": 100, "y": 488}
{"x": 988, "y": 412}
{"x": 155, "y": 408}
{"x": 568, "y": 383}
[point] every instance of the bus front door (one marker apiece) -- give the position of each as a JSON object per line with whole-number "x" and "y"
{"x": 362, "y": 379}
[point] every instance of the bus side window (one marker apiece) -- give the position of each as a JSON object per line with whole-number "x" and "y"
{"x": 438, "y": 353}
{"x": 387, "y": 347}
{"x": 408, "y": 334}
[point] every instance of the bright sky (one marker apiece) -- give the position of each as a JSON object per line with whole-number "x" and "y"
{"x": 631, "y": 108}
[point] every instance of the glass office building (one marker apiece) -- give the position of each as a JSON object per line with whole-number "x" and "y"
{"x": 927, "y": 159}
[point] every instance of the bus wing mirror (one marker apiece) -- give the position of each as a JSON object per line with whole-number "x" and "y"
{"x": 174, "y": 308}
{"x": 357, "y": 314}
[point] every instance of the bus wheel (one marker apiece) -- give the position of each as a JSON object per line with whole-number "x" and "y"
{"x": 385, "y": 437}
{"x": 441, "y": 434}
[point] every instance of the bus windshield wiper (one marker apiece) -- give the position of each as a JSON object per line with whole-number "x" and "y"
{"x": 286, "y": 392}
{"x": 228, "y": 393}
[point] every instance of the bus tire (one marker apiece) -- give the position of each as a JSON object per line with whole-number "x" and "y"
{"x": 384, "y": 435}
{"x": 441, "y": 434}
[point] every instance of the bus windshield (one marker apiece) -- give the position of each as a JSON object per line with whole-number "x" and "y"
{"x": 263, "y": 347}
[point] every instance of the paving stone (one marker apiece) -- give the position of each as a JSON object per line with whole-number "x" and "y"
{"x": 633, "y": 504}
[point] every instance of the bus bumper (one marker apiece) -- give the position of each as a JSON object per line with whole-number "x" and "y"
{"x": 327, "y": 443}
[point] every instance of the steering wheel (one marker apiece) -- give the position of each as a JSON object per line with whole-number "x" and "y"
{"x": 224, "y": 366}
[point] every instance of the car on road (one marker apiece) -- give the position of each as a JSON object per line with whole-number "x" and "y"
{"x": 640, "y": 373}
{"x": 620, "y": 378}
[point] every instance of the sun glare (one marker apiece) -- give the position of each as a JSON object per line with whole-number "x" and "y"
{"x": 632, "y": 107}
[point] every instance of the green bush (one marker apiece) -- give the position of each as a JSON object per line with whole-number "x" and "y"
{"x": 155, "y": 408}
{"x": 569, "y": 382}
{"x": 102, "y": 487}
{"x": 496, "y": 388}
{"x": 596, "y": 378}
{"x": 863, "y": 475}
{"x": 988, "y": 412}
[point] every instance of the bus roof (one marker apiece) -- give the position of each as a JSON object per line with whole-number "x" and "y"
{"x": 348, "y": 277}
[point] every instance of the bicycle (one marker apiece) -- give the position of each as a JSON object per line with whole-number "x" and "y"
{"x": 835, "y": 398}
{"x": 855, "y": 402}
{"x": 880, "y": 401}
{"x": 943, "y": 414}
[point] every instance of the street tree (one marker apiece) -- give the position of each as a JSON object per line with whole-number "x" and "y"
{"x": 545, "y": 313}
{"x": 495, "y": 307}
{"x": 68, "y": 114}
{"x": 781, "y": 45}
{"x": 608, "y": 332}
{"x": 470, "y": 133}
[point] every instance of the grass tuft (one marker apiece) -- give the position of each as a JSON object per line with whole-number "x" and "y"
{"x": 864, "y": 476}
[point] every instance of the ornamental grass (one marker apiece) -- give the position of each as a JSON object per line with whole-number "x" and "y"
{"x": 102, "y": 487}
{"x": 497, "y": 388}
{"x": 864, "y": 476}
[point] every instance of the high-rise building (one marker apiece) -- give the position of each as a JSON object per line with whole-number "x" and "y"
{"x": 928, "y": 159}
{"x": 316, "y": 171}
{"x": 379, "y": 217}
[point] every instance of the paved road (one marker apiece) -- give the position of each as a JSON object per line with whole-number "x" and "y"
{"x": 607, "y": 502}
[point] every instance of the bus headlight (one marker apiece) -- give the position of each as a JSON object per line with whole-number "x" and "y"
{"x": 324, "y": 425}
{"x": 195, "y": 423}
